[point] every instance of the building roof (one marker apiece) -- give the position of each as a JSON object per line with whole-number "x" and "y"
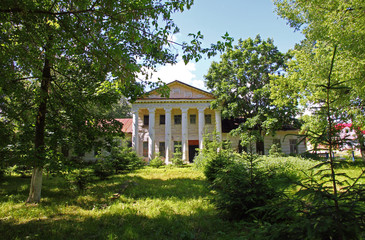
{"x": 127, "y": 124}
{"x": 341, "y": 126}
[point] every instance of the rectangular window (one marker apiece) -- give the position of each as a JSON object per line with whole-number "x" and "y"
{"x": 177, "y": 119}
{"x": 192, "y": 119}
{"x": 277, "y": 142}
{"x": 260, "y": 148}
{"x": 293, "y": 146}
{"x": 162, "y": 119}
{"x": 177, "y": 146}
{"x": 161, "y": 149}
{"x": 208, "y": 119}
{"x": 146, "y": 120}
{"x": 145, "y": 149}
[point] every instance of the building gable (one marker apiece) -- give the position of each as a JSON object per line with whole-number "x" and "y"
{"x": 180, "y": 90}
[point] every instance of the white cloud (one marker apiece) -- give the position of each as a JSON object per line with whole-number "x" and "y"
{"x": 179, "y": 71}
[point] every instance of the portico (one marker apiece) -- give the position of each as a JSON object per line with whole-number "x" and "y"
{"x": 160, "y": 123}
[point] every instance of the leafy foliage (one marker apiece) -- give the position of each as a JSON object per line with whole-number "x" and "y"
{"x": 240, "y": 82}
{"x": 120, "y": 159}
{"x": 326, "y": 215}
{"x": 275, "y": 151}
{"x": 239, "y": 193}
{"x": 214, "y": 157}
{"x": 80, "y": 179}
{"x": 65, "y": 64}
{"x": 339, "y": 25}
{"x": 177, "y": 156}
{"x": 157, "y": 161}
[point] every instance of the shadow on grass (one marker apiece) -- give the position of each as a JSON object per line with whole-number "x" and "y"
{"x": 57, "y": 191}
{"x": 203, "y": 224}
{"x": 359, "y": 163}
{"x": 117, "y": 219}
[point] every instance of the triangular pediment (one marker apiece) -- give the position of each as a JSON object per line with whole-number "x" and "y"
{"x": 180, "y": 90}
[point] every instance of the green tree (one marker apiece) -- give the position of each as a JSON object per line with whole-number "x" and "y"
{"x": 67, "y": 59}
{"x": 240, "y": 81}
{"x": 337, "y": 23}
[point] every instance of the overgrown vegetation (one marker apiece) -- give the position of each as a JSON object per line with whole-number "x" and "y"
{"x": 163, "y": 203}
{"x": 120, "y": 159}
{"x": 284, "y": 197}
{"x": 157, "y": 161}
{"x": 155, "y": 203}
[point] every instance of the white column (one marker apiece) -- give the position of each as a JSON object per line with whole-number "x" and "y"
{"x": 151, "y": 134}
{"x": 135, "y": 138}
{"x": 218, "y": 124}
{"x": 167, "y": 135}
{"x": 184, "y": 133}
{"x": 201, "y": 126}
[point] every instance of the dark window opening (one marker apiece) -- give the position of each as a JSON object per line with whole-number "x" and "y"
{"x": 162, "y": 119}
{"x": 177, "y": 119}
{"x": 146, "y": 120}
{"x": 161, "y": 149}
{"x": 208, "y": 119}
{"x": 293, "y": 146}
{"x": 192, "y": 119}
{"x": 145, "y": 149}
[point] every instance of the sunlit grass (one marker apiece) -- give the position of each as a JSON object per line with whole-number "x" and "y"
{"x": 165, "y": 203}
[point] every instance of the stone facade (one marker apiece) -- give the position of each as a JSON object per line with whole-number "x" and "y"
{"x": 159, "y": 123}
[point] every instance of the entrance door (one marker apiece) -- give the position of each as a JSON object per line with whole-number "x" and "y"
{"x": 193, "y": 151}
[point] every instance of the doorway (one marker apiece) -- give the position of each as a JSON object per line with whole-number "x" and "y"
{"x": 193, "y": 149}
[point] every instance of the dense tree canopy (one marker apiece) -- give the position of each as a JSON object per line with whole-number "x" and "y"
{"x": 336, "y": 27}
{"x": 64, "y": 63}
{"x": 240, "y": 81}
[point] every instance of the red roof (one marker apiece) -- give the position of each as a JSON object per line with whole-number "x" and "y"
{"x": 127, "y": 124}
{"x": 341, "y": 126}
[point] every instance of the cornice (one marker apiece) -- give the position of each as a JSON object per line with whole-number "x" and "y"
{"x": 154, "y": 101}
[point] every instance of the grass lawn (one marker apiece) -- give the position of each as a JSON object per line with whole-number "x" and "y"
{"x": 166, "y": 203}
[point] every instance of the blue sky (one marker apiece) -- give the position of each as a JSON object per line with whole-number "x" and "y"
{"x": 240, "y": 18}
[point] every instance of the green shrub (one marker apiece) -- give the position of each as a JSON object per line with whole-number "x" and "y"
{"x": 121, "y": 159}
{"x": 329, "y": 213}
{"x": 103, "y": 169}
{"x": 177, "y": 161}
{"x": 177, "y": 158}
{"x": 275, "y": 151}
{"x": 79, "y": 179}
{"x": 241, "y": 193}
{"x": 200, "y": 162}
{"x": 157, "y": 161}
{"x": 22, "y": 170}
{"x": 293, "y": 168}
{"x": 216, "y": 162}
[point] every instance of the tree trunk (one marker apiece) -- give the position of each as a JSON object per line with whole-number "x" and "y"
{"x": 39, "y": 158}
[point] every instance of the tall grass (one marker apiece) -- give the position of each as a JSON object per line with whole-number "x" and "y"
{"x": 163, "y": 203}
{"x": 166, "y": 203}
